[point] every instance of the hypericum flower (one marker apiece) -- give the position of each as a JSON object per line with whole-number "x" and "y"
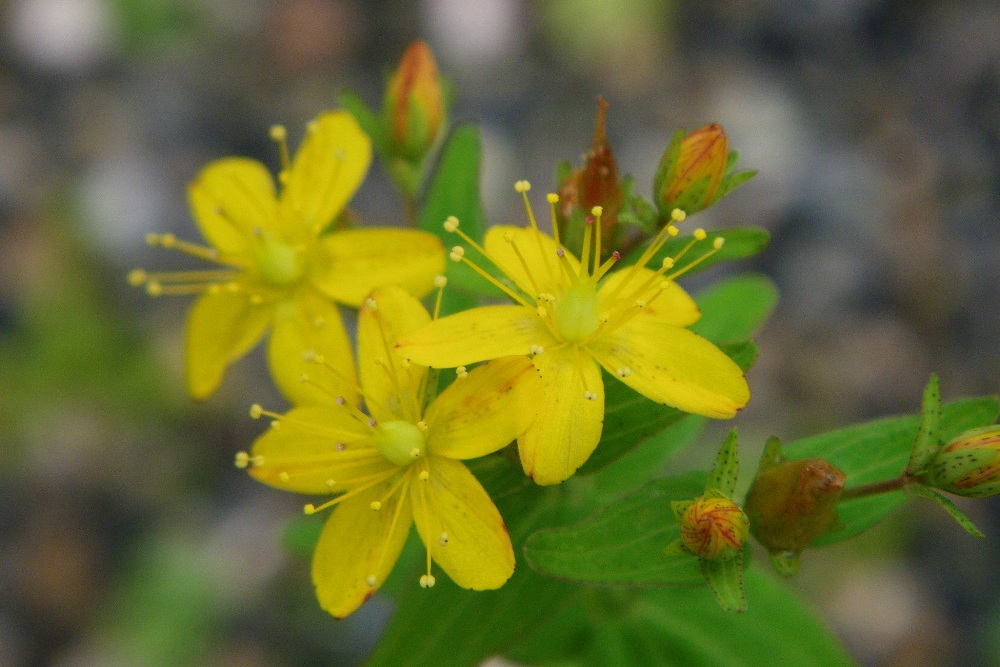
{"x": 399, "y": 464}
{"x": 414, "y": 102}
{"x": 969, "y": 464}
{"x": 282, "y": 260}
{"x": 574, "y": 321}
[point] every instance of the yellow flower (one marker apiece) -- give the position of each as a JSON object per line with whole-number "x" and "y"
{"x": 282, "y": 260}
{"x": 400, "y": 465}
{"x": 573, "y": 323}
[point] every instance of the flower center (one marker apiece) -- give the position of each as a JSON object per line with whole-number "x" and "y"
{"x": 400, "y": 442}
{"x": 279, "y": 263}
{"x": 577, "y": 313}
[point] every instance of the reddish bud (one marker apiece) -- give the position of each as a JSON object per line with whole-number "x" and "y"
{"x": 692, "y": 169}
{"x": 414, "y": 102}
{"x": 714, "y": 528}
{"x": 969, "y": 465}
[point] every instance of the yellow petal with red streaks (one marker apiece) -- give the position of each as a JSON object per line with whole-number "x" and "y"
{"x": 475, "y": 335}
{"x": 221, "y": 328}
{"x": 485, "y": 411}
{"x": 359, "y": 547}
{"x": 674, "y": 366}
{"x": 570, "y": 416}
{"x": 461, "y": 527}
{"x": 352, "y": 262}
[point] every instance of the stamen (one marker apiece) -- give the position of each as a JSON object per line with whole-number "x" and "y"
{"x": 427, "y": 581}
{"x": 373, "y": 480}
{"x": 458, "y": 255}
{"x": 279, "y": 136}
{"x": 443, "y": 539}
{"x": 242, "y": 460}
{"x": 523, "y": 187}
{"x": 716, "y": 246}
{"x": 553, "y": 199}
{"x": 509, "y": 238}
{"x": 623, "y": 372}
{"x": 462, "y": 372}
{"x": 604, "y": 268}
{"x": 370, "y": 581}
{"x": 439, "y": 282}
{"x": 405, "y": 481}
{"x": 588, "y": 231}
{"x": 597, "y": 212}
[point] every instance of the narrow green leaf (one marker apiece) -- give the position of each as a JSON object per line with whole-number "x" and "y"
{"x": 725, "y": 579}
{"x": 878, "y": 451}
{"x": 630, "y": 418}
{"x": 929, "y": 434}
{"x": 727, "y": 467}
{"x": 623, "y": 543}
{"x": 454, "y": 191}
{"x": 687, "y": 627}
{"x": 735, "y": 308}
{"x": 741, "y": 242}
{"x": 949, "y": 507}
{"x": 733, "y": 181}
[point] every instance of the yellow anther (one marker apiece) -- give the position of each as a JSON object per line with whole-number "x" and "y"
{"x": 422, "y": 425}
{"x": 522, "y": 186}
{"x": 415, "y": 452}
{"x": 424, "y": 475}
{"x": 623, "y": 372}
{"x": 677, "y": 215}
{"x": 450, "y": 223}
{"x": 275, "y": 425}
{"x": 330, "y": 484}
{"x": 443, "y": 539}
{"x": 699, "y": 234}
{"x": 462, "y": 372}
{"x": 167, "y": 240}
{"x": 457, "y": 253}
{"x": 597, "y": 211}
{"x": 590, "y": 396}
{"x": 541, "y": 312}
{"x": 370, "y": 580}
{"x": 137, "y": 277}
{"x": 284, "y": 476}
{"x": 673, "y": 231}
{"x": 668, "y": 262}
{"x": 718, "y": 242}
{"x": 256, "y": 411}
{"x": 427, "y": 581}
{"x": 552, "y": 198}
{"x": 309, "y": 509}
{"x": 278, "y": 133}
{"x": 375, "y": 505}
{"x": 371, "y": 304}
{"x": 153, "y": 288}
{"x": 242, "y": 460}
{"x": 640, "y": 303}
{"x": 440, "y": 281}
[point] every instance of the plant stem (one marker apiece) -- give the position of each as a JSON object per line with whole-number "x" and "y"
{"x": 875, "y": 488}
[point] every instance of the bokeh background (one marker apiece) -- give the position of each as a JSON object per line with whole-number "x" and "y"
{"x": 126, "y": 535}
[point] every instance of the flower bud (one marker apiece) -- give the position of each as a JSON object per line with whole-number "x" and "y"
{"x": 969, "y": 465}
{"x": 691, "y": 170}
{"x": 714, "y": 528}
{"x": 414, "y": 103}
{"x": 597, "y": 183}
{"x": 793, "y": 503}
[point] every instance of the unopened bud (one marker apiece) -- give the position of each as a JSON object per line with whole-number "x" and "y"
{"x": 968, "y": 465}
{"x": 714, "y": 528}
{"x": 692, "y": 169}
{"x": 414, "y": 102}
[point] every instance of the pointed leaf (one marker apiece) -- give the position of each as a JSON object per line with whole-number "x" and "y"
{"x": 929, "y": 435}
{"x": 725, "y": 579}
{"x": 727, "y": 468}
{"x": 949, "y": 507}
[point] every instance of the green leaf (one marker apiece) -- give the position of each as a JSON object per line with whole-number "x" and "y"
{"x": 741, "y": 242}
{"x": 878, "y": 451}
{"x": 725, "y": 579}
{"x": 727, "y": 468}
{"x": 735, "y": 308}
{"x": 369, "y": 121}
{"x": 949, "y": 507}
{"x": 448, "y": 625}
{"x": 630, "y": 418}
{"x": 733, "y": 181}
{"x": 623, "y": 543}
{"x": 454, "y": 191}
{"x": 929, "y": 435}
{"x": 685, "y": 626}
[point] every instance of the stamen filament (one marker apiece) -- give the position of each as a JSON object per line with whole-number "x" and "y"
{"x": 523, "y": 187}
{"x": 588, "y": 231}
{"x": 597, "y": 211}
{"x": 280, "y": 136}
{"x": 717, "y": 245}
{"x": 404, "y": 479}
{"x": 553, "y": 199}
{"x": 439, "y": 282}
{"x": 602, "y": 270}
{"x": 374, "y": 479}
{"x": 506, "y": 290}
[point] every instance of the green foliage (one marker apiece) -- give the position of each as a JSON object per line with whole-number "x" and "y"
{"x": 879, "y": 451}
{"x": 735, "y": 308}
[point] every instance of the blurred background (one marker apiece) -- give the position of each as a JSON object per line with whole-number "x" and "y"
{"x": 128, "y": 537}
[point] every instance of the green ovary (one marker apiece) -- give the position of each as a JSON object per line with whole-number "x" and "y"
{"x": 279, "y": 264}
{"x": 577, "y": 313}
{"x": 400, "y": 442}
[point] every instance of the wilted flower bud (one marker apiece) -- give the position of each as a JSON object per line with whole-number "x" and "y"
{"x": 414, "y": 102}
{"x": 692, "y": 170}
{"x": 969, "y": 465}
{"x": 596, "y": 184}
{"x": 793, "y": 503}
{"x": 714, "y": 528}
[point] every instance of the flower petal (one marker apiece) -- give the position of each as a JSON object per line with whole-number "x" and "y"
{"x": 305, "y": 327}
{"x": 484, "y": 411}
{"x": 539, "y": 252}
{"x": 316, "y": 450}
{"x": 672, "y": 306}
{"x": 327, "y": 170}
{"x": 353, "y": 262}
{"x": 461, "y": 527}
{"x": 221, "y": 328}
{"x": 674, "y": 366}
{"x": 357, "y": 543}
{"x": 229, "y": 199}
{"x": 391, "y": 385}
{"x": 568, "y": 426}
{"x": 476, "y": 335}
